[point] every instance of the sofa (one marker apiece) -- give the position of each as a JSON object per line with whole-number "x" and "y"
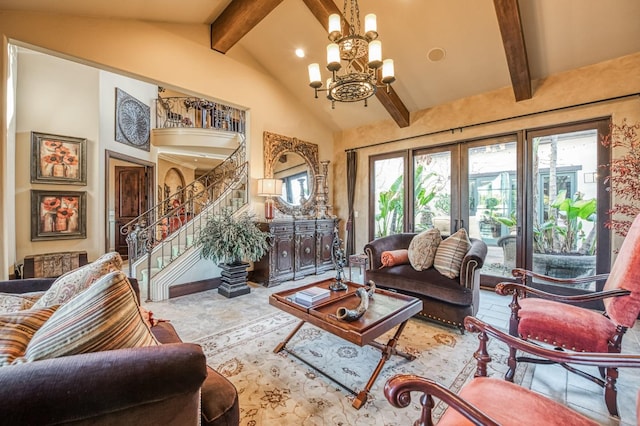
{"x": 446, "y": 300}
{"x": 168, "y": 384}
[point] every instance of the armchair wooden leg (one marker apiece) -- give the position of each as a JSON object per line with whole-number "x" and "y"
{"x": 610, "y": 391}
{"x": 512, "y": 362}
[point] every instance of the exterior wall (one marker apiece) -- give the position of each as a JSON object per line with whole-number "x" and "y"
{"x": 175, "y": 56}
{"x": 447, "y": 123}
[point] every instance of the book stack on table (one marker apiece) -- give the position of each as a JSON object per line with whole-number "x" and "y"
{"x": 311, "y": 295}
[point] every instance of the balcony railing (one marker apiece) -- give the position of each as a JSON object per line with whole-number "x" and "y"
{"x": 190, "y": 112}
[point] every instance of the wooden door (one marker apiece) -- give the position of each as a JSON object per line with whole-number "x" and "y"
{"x": 130, "y": 193}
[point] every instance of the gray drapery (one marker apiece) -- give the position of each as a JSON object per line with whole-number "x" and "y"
{"x": 352, "y": 168}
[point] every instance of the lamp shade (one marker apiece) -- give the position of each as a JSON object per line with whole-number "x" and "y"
{"x": 269, "y": 187}
{"x": 314, "y": 75}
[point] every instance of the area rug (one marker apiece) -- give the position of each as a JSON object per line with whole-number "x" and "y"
{"x": 279, "y": 389}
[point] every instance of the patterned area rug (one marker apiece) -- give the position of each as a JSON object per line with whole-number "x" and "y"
{"x": 281, "y": 389}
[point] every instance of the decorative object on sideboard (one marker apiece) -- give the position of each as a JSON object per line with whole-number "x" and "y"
{"x": 362, "y": 55}
{"x": 58, "y": 159}
{"x": 58, "y": 215}
{"x": 339, "y": 260}
{"x": 346, "y": 314}
{"x": 231, "y": 240}
{"x": 133, "y": 121}
{"x": 269, "y": 188}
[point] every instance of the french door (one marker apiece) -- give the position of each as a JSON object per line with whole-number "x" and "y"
{"x": 567, "y": 207}
{"x": 536, "y": 198}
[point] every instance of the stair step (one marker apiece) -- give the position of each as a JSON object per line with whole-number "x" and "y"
{"x": 145, "y": 271}
{"x": 177, "y": 250}
{"x": 164, "y": 261}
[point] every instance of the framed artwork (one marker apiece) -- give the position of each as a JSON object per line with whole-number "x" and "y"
{"x": 58, "y": 159}
{"x": 133, "y": 121}
{"x": 58, "y": 215}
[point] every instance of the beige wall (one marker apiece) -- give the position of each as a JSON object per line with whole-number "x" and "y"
{"x": 176, "y": 56}
{"x": 606, "y": 80}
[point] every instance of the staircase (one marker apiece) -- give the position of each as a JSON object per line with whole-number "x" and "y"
{"x": 161, "y": 241}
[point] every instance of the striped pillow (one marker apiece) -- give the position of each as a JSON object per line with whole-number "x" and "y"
{"x": 103, "y": 317}
{"x": 17, "y": 329}
{"x": 451, "y": 252}
{"x": 78, "y": 280}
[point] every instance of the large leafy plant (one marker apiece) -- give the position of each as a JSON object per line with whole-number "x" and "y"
{"x": 231, "y": 239}
{"x": 624, "y": 177}
{"x": 561, "y": 233}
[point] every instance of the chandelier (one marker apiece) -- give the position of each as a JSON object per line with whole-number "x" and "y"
{"x": 358, "y": 80}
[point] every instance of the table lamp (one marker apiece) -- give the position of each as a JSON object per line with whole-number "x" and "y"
{"x": 269, "y": 188}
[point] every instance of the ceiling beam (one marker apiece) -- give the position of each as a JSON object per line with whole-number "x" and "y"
{"x": 510, "y": 25}
{"x": 321, "y": 9}
{"x": 237, "y": 20}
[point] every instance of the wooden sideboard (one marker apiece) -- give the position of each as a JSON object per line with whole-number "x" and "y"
{"x": 299, "y": 248}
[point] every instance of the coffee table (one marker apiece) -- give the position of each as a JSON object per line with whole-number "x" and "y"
{"x": 386, "y": 311}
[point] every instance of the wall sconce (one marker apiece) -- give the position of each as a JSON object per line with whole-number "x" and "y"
{"x": 269, "y": 188}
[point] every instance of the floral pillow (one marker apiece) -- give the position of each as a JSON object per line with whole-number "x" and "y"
{"x": 422, "y": 249}
{"x": 73, "y": 282}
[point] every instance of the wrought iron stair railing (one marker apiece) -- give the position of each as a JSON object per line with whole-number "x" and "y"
{"x": 167, "y": 229}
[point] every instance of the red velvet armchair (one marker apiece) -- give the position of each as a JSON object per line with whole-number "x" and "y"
{"x": 492, "y": 401}
{"x": 551, "y": 319}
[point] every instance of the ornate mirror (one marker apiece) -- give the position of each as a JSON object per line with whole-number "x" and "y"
{"x": 295, "y": 162}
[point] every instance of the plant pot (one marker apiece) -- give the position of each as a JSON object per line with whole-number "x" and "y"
{"x": 234, "y": 279}
{"x": 569, "y": 265}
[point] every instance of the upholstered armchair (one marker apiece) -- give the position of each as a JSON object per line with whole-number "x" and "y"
{"x": 493, "y": 401}
{"x": 553, "y": 320}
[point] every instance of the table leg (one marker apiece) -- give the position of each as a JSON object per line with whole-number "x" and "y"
{"x": 387, "y": 350}
{"x": 282, "y": 344}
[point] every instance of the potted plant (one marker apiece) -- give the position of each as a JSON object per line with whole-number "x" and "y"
{"x": 231, "y": 240}
{"x": 561, "y": 247}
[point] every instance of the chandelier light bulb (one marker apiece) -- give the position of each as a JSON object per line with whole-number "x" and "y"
{"x": 371, "y": 26}
{"x": 315, "y": 80}
{"x": 375, "y": 54}
{"x": 333, "y": 57}
{"x": 388, "y": 74}
{"x": 335, "y": 29}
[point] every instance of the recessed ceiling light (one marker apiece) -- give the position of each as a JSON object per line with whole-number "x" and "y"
{"x": 436, "y": 54}
{"x": 300, "y": 53}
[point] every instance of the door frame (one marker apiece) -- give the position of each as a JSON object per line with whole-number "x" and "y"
{"x": 150, "y": 169}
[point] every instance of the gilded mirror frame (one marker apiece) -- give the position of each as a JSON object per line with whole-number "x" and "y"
{"x": 276, "y": 145}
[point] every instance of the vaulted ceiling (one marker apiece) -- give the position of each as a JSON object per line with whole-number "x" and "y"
{"x": 487, "y": 44}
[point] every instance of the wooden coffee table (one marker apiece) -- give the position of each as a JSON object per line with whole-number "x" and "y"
{"x": 386, "y": 311}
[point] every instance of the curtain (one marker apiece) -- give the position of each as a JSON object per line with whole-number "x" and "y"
{"x": 352, "y": 168}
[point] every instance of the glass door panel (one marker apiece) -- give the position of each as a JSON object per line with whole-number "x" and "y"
{"x": 388, "y": 183}
{"x": 565, "y": 204}
{"x": 432, "y": 191}
{"x": 493, "y": 202}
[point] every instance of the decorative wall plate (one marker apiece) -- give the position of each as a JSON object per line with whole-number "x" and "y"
{"x": 133, "y": 121}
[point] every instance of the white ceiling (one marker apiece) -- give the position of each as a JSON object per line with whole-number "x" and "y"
{"x": 559, "y": 35}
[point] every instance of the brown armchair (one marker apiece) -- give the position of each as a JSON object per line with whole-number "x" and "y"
{"x": 551, "y": 319}
{"x": 492, "y": 401}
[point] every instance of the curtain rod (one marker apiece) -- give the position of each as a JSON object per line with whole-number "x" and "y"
{"x": 453, "y": 130}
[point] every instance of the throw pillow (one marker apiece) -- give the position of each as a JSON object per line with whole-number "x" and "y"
{"x": 394, "y": 257}
{"x": 450, "y": 253}
{"x": 17, "y": 329}
{"x": 13, "y": 303}
{"x": 103, "y": 317}
{"x": 73, "y": 282}
{"x": 422, "y": 249}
